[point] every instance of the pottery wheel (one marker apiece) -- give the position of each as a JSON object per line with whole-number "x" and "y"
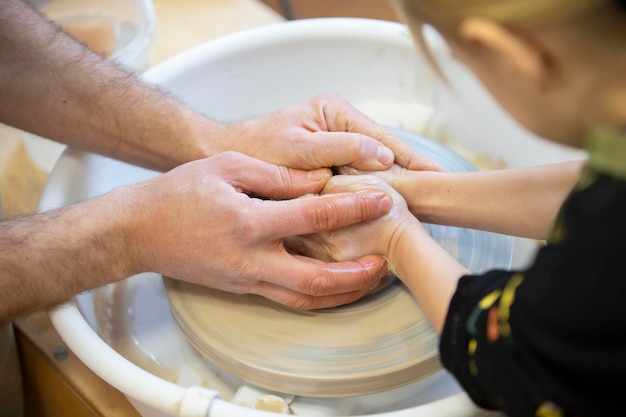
{"x": 378, "y": 343}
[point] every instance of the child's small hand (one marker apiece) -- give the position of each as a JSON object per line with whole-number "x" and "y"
{"x": 391, "y": 176}
{"x": 377, "y": 236}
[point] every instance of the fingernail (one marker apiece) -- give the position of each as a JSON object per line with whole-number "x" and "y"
{"x": 374, "y": 285}
{"x": 387, "y": 268}
{"x": 385, "y": 204}
{"x": 385, "y": 155}
{"x": 319, "y": 174}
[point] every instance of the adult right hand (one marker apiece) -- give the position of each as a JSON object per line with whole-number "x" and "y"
{"x": 202, "y": 222}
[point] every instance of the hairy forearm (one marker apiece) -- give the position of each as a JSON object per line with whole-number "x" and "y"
{"x": 57, "y": 88}
{"x": 47, "y": 258}
{"x": 519, "y": 202}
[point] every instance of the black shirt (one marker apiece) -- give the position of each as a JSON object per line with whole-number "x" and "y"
{"x": 551, "y": 341}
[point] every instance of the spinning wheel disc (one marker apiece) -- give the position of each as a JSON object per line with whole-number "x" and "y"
{"x": 375, "y": 344}
{"x": 379, "y": 343}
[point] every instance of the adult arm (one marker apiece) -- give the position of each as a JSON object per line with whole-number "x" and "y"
{"x": 55, "y": 87}
{"x": 196, "y": 223}
{"x": 516, "y": 201}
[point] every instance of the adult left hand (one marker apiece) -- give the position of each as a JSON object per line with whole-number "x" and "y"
{"x": 325, "y": 131}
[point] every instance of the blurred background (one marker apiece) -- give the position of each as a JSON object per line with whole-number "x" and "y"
{"x": 304, "y": 9}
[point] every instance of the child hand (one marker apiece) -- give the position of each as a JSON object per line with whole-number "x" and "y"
{"x": 392, "y": 175}
{"x": 378, "y": 236}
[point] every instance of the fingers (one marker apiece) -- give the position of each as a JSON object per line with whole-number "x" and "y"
{"x": 405, "y": 155}
{"x": 388, "y": 175}
{"x": 373, "y": 152}
{"x": 307, "y": 245}
{"x": 361, "y": 183}
{"x": 323, "y": 213}
{"x": 354, "y": 183}
{"x": 369, "y": 146}
{"x": 308, "y": 284}
{"x": 301, "y": 301}
{"x": 259, "y": 178}
{"x": 350, "y": 148}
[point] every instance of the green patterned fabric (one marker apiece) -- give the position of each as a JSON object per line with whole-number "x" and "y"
{"x": 607, "y": 156}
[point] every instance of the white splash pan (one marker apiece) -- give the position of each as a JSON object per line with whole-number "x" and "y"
{"x": 371, "y": 63}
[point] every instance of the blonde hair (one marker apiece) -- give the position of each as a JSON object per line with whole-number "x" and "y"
{"x": 521, "y": 12}
{"x": 446, "y": 15}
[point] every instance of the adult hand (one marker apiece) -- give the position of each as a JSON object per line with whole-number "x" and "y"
{"x": 202, "y": 223}
{"x": 325, "y": 131}
{"x": 121, "y": 117}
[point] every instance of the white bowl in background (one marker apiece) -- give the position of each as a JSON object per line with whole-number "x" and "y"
{"x": 121, "y": 30}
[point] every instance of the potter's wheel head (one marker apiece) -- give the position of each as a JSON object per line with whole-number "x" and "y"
{"x": 381, "y": 342}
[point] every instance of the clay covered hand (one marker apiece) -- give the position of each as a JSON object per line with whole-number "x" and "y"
{"x": 379, "y": 236}
{"x": 396, "y": 176}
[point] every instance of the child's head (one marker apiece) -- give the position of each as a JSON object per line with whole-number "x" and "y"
{"x": 552, "y": 64}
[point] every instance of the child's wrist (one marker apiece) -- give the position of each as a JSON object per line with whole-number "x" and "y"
{"x": 404, "y": 243}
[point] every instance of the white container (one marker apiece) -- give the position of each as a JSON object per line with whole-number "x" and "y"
{"x": 121, "y": 30}
{"x": 376, "y": 67}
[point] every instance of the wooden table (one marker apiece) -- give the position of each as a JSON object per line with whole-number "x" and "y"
{"x": 56, "y": 383}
